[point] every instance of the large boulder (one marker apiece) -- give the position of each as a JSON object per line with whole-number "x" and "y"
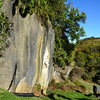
{"x": 28, "y": 59}
{"x": 96, "y": 90}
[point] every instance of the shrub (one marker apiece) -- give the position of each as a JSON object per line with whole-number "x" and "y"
{"x": 4, "y": 30}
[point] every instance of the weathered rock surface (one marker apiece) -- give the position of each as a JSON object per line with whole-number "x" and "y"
{"x": 28, "y": 59}
{"x": 59, "y": 74}
{"x": 96, "y": 90}
{"x": 57, "y": 77}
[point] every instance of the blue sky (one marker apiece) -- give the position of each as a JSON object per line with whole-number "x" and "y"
{"x": 92, "y": 10}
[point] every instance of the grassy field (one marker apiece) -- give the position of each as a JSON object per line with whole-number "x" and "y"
{"x": 54, "y": 95}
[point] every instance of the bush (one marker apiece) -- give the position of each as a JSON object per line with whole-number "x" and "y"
{"x": 76, "y": 73}
{"x": 81, "y": 58}
{"x": 4, "y": 30}
{"x": 97, "y": 78}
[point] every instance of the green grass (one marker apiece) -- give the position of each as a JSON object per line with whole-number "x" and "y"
{"x": 5, "y": 95}
{"x": 88, "y": 86}
{"x": 71, "y": 95}
{"x": 54, "y": 95}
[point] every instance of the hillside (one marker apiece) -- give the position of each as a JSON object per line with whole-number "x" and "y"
{"x": 88, "y": 58}
{"x": 89, "y": 43}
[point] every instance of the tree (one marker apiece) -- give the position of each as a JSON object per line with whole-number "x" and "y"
{"x": 64, "y": 18}
{"x": 67, "y": 28}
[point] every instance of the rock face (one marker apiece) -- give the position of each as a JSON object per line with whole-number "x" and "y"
{"x": 96, "y": 90}
{"x": 28, "y": 59}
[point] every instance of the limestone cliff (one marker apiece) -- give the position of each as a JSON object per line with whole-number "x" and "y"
{"x": 28, "y": 59}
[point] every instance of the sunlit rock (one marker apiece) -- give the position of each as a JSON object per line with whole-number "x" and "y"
{"x": 28, "y": 59}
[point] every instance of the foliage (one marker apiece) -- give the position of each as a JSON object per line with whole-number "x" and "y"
{"x": 60, "y": 56}
{"x": 68, "y": 30}
{"x": 4, "y": 30}
{"x": 97, "y": 78}
{"x": 81, "y": 58}
{"x": 1, "y": 3}
{"x": 88, "y": 57}
{"x": 39, "y": 7}
{"x": 65, "y": 21}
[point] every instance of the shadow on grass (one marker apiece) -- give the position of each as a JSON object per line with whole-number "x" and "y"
{"x": 82, "y": 99}
{"x": 51, "y": 96}
{"x": 66, "y": 98}
{"x": 25, "y": 94}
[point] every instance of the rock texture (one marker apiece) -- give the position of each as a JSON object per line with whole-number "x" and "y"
{"x": 28, "y": 59}
{"x": 57, "y": 77}
{"x": 96, "y": 90}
